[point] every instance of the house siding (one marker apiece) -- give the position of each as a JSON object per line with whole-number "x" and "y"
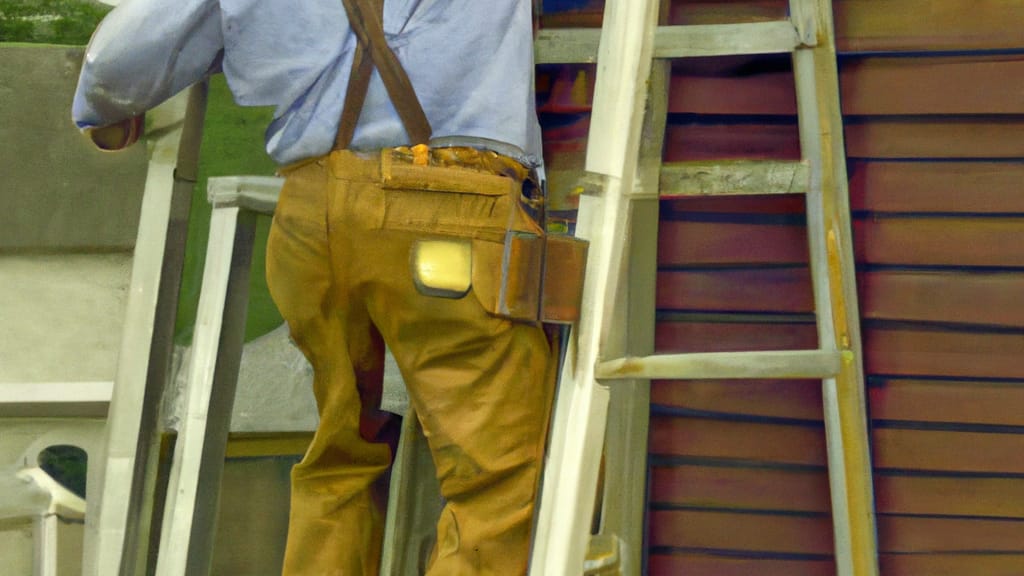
{"x": 933, "y": 107}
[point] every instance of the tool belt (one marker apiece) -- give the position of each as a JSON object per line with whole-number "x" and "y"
{"x": 476, "y": 214}
{"x": 517, "y": 271}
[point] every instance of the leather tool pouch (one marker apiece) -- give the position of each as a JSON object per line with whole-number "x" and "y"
{"x": 479, "y": 237}
{"x": 565, "y": 263}
{"x": 539, "y": 278}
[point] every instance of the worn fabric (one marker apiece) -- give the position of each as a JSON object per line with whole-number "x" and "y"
{"x": 338, "y": 267}
{"x": 470, "y": 62}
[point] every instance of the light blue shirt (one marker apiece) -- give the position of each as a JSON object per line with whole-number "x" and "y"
{"x": 470, "y": 62}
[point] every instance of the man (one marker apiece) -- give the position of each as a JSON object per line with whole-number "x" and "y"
{"x": 378, "y": 241}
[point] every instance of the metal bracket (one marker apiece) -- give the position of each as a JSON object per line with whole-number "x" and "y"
{"x": 254, "y": 193}
{"x": 803, "y": 17}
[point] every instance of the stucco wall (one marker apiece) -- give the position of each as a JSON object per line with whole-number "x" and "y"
{"x": 68, "y": 221}
{"x": 56, "y": 191}
{"x": 61, "y": 316}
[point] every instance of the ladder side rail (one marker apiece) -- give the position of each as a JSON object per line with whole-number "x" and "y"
{"x": 118, "y": 525}
{"x": 186, "y": 540}
{"x": 624, "y": 502}
{"x": 577, "y": 435}
{"x": 810, "y": 140}
{"x": 45, "y": 552}
{"x": 831, "y": 260}
{"x": 624, "y": 498}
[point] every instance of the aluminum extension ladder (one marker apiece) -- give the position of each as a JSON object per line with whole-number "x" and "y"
{"x": 618, "y": 214}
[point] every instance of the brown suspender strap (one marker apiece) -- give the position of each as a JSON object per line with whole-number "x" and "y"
{"x": 358, "y": 81}
{"x": 367, "y": 24}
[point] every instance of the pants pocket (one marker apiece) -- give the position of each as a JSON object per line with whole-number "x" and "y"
{"x": 464, "y": 214}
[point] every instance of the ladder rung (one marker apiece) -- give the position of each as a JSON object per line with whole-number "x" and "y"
{"x": 734, "y": 178}
{"x": 579, "y": 45}
{"x": 789, "y": 364}
{"x": 725, "y": 39}
{"x": 566, "y": 45}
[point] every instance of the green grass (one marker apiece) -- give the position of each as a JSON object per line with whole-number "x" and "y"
{"x": 68, "y": 22}
{"x": 232, "y": 145}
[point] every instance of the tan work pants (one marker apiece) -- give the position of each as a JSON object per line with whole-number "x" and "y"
{"x": 338, "y": 266}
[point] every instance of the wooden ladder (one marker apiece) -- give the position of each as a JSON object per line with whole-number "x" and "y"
{"x": 605, "y": 385}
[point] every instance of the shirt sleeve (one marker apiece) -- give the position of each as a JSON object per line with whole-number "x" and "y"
{"x": 142, "y": 53}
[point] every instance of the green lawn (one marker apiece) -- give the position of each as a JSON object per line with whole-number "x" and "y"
{"x": 232, "y": 145}
{"x": 49, "y": 21}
